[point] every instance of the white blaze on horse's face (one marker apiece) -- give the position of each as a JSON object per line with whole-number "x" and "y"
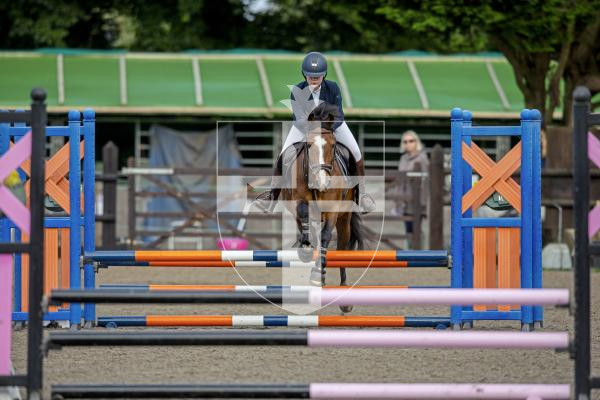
{"x": 322, "y": 178}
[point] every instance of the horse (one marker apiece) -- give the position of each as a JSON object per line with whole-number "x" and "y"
{"x": 322, "y": 185}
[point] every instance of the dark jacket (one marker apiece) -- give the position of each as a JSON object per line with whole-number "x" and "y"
{"x": 330, "y": 93}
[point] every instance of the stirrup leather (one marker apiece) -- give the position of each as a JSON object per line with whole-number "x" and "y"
{"x": 266, "y": 201}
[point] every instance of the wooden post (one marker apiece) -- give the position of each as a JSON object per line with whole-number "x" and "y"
{"x": 417, "y": 212}
{"x": 110, "y": 157}
{"x": 436, "y": 198}
{"x": 131, "y": 216}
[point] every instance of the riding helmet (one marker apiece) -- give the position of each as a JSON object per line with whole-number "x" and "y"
{"x": 314, "y": 64}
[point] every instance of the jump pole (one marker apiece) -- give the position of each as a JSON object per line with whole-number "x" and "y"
{"x": 274, "y": 320}
{"x": 321, "y": 391}
{"x": 247, "y": 288}
{"x": 435, "y": 256}
{"x": 275, "y": 264}
{"x": 318, "y": 338}
{"x": 322, "y": 297}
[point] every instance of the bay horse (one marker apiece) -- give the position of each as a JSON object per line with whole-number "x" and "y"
{"x": 322, "y": 187}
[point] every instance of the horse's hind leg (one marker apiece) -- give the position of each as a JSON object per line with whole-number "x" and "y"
{"x": 343, "y": 238}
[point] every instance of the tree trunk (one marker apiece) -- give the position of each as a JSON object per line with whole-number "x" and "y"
{"x": 554, "y": 84}
{"x": 530, "y": 71}
{"x": 568, "y": 103}
{"x": 584, "y": 65}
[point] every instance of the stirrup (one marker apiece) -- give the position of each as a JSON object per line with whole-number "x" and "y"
{"x": 366, "y": 204}
{"x": 265, "y": 202}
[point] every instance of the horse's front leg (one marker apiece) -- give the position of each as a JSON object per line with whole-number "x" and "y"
{"x": 305, "y": 251}
{"x": 343, "y": 239}
{"x": 319, "y": 273}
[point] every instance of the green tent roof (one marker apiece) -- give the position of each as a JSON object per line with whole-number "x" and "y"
{"x": 255, "y": 83}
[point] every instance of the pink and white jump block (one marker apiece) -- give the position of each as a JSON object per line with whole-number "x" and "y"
{"x": 16, "y": 211}
{"x": 594, "y": 155}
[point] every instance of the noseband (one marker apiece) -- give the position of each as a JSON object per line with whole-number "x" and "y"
{"x": 325, "y": 167}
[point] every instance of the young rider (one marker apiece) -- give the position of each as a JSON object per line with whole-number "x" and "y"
{"x": 314, "y": 70}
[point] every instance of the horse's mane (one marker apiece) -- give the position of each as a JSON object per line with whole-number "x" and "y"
{"x": 327, "y": 113}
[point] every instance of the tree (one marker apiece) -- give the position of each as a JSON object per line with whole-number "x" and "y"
{"x": 176, "y": 25}
{"x": 150, "y": 25}
{"x": 308, "y": 25}
{"x": 31, "y": 24}
{"x": 544, "y": 40}
{"x": 583, "y": 67}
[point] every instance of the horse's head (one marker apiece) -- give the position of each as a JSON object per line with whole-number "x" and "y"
{"x": 321, "y": 146}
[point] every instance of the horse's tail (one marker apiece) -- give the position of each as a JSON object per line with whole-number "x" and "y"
{"x": 357, "y": 232}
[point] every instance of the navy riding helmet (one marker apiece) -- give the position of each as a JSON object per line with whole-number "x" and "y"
{"x": 314, "y": 65}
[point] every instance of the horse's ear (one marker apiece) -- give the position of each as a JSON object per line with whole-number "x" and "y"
{"x": 331, "y": 119}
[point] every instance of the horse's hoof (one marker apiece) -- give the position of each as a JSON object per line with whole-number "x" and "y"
{"x": 305, "y": 254}
{"x": 315, "y": 281}
{"x": 346, "y": 309}
{"x": 317, "y": 278}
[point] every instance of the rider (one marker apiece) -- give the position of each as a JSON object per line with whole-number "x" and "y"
{"x": 314, "y": 70}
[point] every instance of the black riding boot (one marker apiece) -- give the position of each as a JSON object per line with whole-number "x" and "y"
{"x": 267, "y": 200}
{"x": 366, "y": 204}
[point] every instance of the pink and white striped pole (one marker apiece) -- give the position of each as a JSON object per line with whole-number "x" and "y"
{"x": 381, "y": 297}
{"x": 438, "y": 391}
{"x": 439, "y": 339}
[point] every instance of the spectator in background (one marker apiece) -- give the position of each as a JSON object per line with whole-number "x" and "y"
{"x": 413, "y": 158}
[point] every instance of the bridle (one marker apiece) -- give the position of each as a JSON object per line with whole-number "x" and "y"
{"x": 328, "y": 168}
